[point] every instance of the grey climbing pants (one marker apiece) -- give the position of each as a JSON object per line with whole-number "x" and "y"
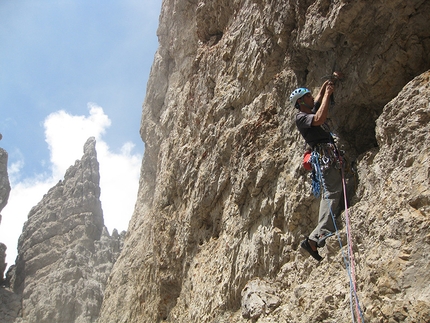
{"x": 332, "y": 193}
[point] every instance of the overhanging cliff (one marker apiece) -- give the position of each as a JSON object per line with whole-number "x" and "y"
{"x": 223, "y": 201}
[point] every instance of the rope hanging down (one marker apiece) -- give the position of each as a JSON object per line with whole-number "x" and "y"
{"x": 317, "y": 182}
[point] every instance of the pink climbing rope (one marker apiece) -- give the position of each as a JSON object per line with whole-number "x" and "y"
{"x": 350, "y": 251}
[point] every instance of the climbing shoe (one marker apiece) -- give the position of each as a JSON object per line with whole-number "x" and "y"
{"x": 305, "y": 245}
{"x": 321, "y": 240}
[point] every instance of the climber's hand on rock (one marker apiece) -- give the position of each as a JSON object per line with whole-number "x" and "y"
{"x": 329, "y": 88}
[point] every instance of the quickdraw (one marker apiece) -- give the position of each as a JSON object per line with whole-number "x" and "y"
{"x": 323, "y": 156}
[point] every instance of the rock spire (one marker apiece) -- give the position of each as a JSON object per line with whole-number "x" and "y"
{"x": 4, "y": 196}
{"x": 65, "y": 253}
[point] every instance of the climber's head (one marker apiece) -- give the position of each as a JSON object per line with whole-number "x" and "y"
{"x": 297, "y": 97}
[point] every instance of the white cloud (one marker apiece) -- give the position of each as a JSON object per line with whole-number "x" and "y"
{"x": 14, "y": 170}
{"x": 66, "y": 135}
{"x": 119, "y": 180}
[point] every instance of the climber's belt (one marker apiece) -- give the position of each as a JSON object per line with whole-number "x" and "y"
{"x": 327, "y": 155}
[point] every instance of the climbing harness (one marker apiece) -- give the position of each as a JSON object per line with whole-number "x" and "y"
{"x": 319, "y": 163}
{"x": 323, "y": 156}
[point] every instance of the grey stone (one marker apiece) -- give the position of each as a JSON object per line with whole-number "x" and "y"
{"x": 65, "y": 253}
{"x": 258, "y": 298}
{"x": 223, "y": 199}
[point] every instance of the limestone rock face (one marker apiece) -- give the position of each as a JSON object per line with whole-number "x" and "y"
{"x": 4, "y": 180}
{"x": 65, "y": 253}
{"x": 223, "y": 201}
{"x": 9, "y": 303}
{"x": 393, "y": 212}
{"x": 4, "y": 196}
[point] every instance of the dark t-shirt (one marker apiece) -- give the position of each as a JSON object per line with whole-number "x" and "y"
{"x": 313, "y": 134}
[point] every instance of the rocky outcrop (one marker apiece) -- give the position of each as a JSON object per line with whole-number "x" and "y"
{"x": 9, "y": 302}
{"x": 223, "y": 201}
{"x": 393, "y": 213}
{"x": 65, "y": 253}
{"x": 4, "y": 180}
{"x": 4, "y": 196}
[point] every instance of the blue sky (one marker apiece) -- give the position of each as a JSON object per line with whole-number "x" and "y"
{"x": 70, "y": 70}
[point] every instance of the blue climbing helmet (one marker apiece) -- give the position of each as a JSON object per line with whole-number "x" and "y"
{"x": 297, "y": 94}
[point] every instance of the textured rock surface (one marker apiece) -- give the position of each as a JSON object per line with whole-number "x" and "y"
{"x": 223, "y": 201}
{"x": 4, "y": 180}
{"x": 394, "y": 210}
{"x": 65, "y": 253}
{"x": 4, "y": 195}
{"x": 8, "y": 302}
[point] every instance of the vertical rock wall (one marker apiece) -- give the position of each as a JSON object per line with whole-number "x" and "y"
{"x": 223, "y": 202}
{"x": 9, "y": 303}
{"x": 392, "y": 216}
{"x": 65, "y": 253}
{"x": 4, "y": 179}
{"x": 4, "y": 196}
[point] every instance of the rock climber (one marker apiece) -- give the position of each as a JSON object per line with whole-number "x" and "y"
{"x": 311, "y": 120}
